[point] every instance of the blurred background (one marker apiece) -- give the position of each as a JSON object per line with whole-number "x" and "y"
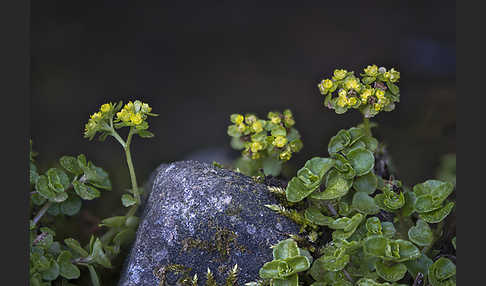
{"x": 195, "y": 66}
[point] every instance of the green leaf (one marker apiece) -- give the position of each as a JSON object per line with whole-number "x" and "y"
{"x": 426, "y": 203}
{"x": 420, "y": 264}
{"x": 94, "y": 277}
{"x": 408, "y": 207}
{"x": 271, "y": 166}
{"x": 373, "y": 225}
{"x": 362, "y": 161}
{"x": 86, "y": 192}
{"x": 124, "y": 237}
{"x": 366, "y": 183}
{"x": 339, "y": 141}
{"x": 453, "y": 241}
{"x": 371, "y": 282}
{"x": 298, "y": 263}
{"x": 71, "y": 164}
{"x": 292, "y": 280}
{"x": 388, "y": 229}
{"x": 365, "y": 204}
{"x": 76, "y": 247}
{"x": 390, "y": 272}
{"x": 438, "y": 189}
{"x": 42, "y": 188}
{"x": 52, "y": 273}
{"x": 145, "y": 134}
{"x": 99, "y": 255}
{"x": 421, "y": 234}
{"x": 116, "y": 221}
{"x": 37, "y": 199}
{"x": 442, "y": 272}
{"x": 271, "y": 269}
{"x": 233, "y": 131}
{"x": 371, "y": 143}
{"x": 33, "y": 174}
{"x": 438, "y": 215}
{"x": 98, "y": 177}
{"x": 336, "y": 187}
{"x": 128, "y": 200}
{"x": 407, "y": 250}
{"x": 285, "y": 249}
{"x": 236, "y": 143}
{"x": 71, "y": 206}
{"x": 58, "y": 181}
{"x": 335, "y": 262}
{"x": 66, "y": 268}
{"x": 315, "y": 216}
{"x": 375, "y": 245}
{"x": 393, "y": 88}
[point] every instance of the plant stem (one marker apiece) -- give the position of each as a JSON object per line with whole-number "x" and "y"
{"x": 41, "y": 212}
{"x": 131, "y": 168}
{"x": 366, "y": 124}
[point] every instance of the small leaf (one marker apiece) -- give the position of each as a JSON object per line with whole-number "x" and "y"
{"x": 339, "y": 141}
{"x": 285, "y": 249}
{"x": 315, "y": 216}
{"x": 392, "y": 272}
{"x": 71, "y": 206}
{"x": 52, "y": 273}
{"x": 86, "y": 192}
{"x": 76, "y": 247}
{"x": 271, "y": 166}
{"x": 71, "y": 164}
{"x": 362, "y": 161}
{"x": 145, "y": 134}
{"x": 128, "y": 200}
{"x": 421, "y": 234}
{"x": 58, "y": 181}
{"x": 116, "y": 221}
{"x": 366, "y": 183}
{"x": 297, "y": 263}
{"x": 393, "y": 88}
{"x": 336, "y": 187}
{"x": 124, "y": 237}
{"x": 42, "y": 188}
{"x": 99, "y": 255}
{"x": 365, "y": 204}
{"x": 271, "y": 269}
{"x": 438, "y": 215}
{"x": 420, "y": 264}
{"x": 66, "y": 268}
{"x": 292, "y": 280}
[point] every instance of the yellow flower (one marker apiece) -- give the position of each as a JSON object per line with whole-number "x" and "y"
{"x": 129, "y": 106}
{"x": 394, "y": 75}
{"x": 352, "y": 101}
{"x": 352, "y": 83}
{"x": 342, "y": 93}
{"x": 136, "y": 118}
{"x": 327, "y": 83}
{"x": 255, "y": 156}
{"x": 238, "y": 118}
{"x": 279, "y": 141}
{"x": 105, "y": 108}
{"x": 286, "y": 155}
{"x": 387, "y": 75}
{"x": 339, "y": 74}
{"x": 123, "y": 115}
{"x": 380, "y": 94}
{"x": 250, "y": 118}
{"x": 366, "y": 94}
{"x": 146, "y": 108}
{"x": 241, "y": 127}
{"x": 377, "y": 106}
{"x": 257, "y": 127}
{"x": 371, "y": 70}
{"x": 275, "y": 120}
{"x": 342, "y": 101}
{"x": 96, "y": 116}
{"x": 256, "y": 146}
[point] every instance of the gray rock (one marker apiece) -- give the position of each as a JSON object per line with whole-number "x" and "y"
{"x": 193, "y": 207}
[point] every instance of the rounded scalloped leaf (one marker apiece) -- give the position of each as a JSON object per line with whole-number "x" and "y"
{"x": 319, "y": 166}
{"x": 442, "y": 272}
{"x": 438, "y": 215}
{"x": 407, "y": 250}
{"x": 86, "y": 192}
{"x": 388, "y": 229}
{"x": 288, "y": 281}
{"x": 421, "y": 234}
{"x": 285, "y": 249}
{"x": 315, "y": 216}
{"x": 58, "y": 180}
{"x": 371, "y": 282}
{"x": 391, "y": 273}
{"x": 297, "y": 264}
{"x": 362, "y": 161}
{"x": 297, "y": 191}
{"x": 373, "y": 225}
{"x": 365, "y": 204}
{"x": 66, "y": 268}
{"x": 356, "y": 133}
{"x": 366, "y": 183}
{"x": 375, "y": 245}
{"x": 42, "y": 188}
{"x": 438, "y": 189}
{"x": 71, "y": 206}
{"x": 271, "y": 269}
{"x": 426, "y": 203}
{"x": 420, "y": 264}
{"x": 339, "y": 141}
{"x": 336, "y": 186}
{"x": 335, "y": 262}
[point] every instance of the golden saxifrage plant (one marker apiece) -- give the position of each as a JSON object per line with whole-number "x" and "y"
{"x": 60, "y": 191}
{"x": 360, "y": 225}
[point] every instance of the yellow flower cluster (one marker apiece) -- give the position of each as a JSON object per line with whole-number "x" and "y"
{"x": 261, "y": 137}
{"x": 345, "y": 101}
{"x": 134, "y": 113}
{"x": 96, "y": 118}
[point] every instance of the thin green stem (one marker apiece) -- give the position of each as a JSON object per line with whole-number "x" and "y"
{"x": 366, "y": 124}
{"x": 133, "y": 177}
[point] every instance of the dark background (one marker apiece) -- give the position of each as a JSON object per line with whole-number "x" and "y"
{"x": 196, "y": 66}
